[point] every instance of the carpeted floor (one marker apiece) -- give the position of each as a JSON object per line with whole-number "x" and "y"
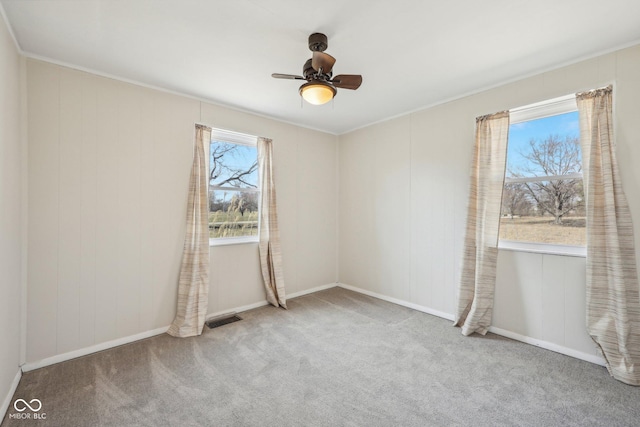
{"x": 335, "y": 358}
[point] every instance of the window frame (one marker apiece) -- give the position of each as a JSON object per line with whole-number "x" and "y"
{"x": 230, "y": 137}
{"x": 540, "y": 110}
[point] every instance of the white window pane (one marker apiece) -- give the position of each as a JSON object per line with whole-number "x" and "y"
{"x": 233, "y": 213}
{"x": 542, "y": 229}
{"x": 537, "y": 205}
{"x": 545, "y": 147}
{"x": 544, "y": 212}
{"x": 233, "y": 165}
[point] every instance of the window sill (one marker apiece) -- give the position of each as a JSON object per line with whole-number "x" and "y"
{"x": 543, "y": 248}
{"x": 233, "y": 241}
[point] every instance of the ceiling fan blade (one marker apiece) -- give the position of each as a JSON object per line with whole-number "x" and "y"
{"x": 324, "y": 61}
{"x": 287, "y": 76}
{"x": 347, "y": 81}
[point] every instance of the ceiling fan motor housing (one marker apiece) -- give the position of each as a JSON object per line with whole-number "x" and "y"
{"x": 309, "y": 73}
{"x": 318, "y": 42}
{"x": 307, "y": 70}
{"x": 321, "y": 87}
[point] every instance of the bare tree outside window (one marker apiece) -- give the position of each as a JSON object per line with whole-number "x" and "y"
{"x": 553, "y": 156}
{"x": 233, "y": 190}
{"x": 543, "y": 196}
{"x": 516, "y": 200}
{"x": 229, "y": 166}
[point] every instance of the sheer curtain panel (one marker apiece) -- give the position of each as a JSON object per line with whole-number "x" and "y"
{"x": 613, "y": 307}
{"x": 193, "y": 285}
{"x": 478, "y": 278}
{"x": 269, "y": 246}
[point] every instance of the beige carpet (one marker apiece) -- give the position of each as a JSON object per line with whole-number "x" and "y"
{"x": 335, "y": 358}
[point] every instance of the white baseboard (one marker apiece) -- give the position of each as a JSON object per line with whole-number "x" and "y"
{"x": 312, "y": 290}
{"x": 92, "y": 349}
{"x": 126, "y": 340}
{"x": 399, "y": 302}
{"x": 237, "y": 309}
{"x": 132, "y": 338}
{"x": 498, "y": 331}
{"x": 265, "y": 302}
{"x": 549, "y": 346}
{"x": 9, "y": 397}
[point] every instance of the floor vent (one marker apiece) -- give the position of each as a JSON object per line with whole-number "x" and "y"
{"x": 221, "y": 321}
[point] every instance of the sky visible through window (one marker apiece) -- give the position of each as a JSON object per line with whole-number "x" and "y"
{"x": 234, "y": 198}
{"x": 238, "y": 158}
{"x": 521, "y": 133}
{"x": 549, "y": 212}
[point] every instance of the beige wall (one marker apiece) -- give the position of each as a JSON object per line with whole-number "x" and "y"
{"x": 109, "y": 167}
{"x": 403, "y": 196}
{"x": 11, "y": 212}
{"x": 108, "y": 170}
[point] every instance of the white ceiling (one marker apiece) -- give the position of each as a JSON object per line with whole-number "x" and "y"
{"x": 411, "y": 53}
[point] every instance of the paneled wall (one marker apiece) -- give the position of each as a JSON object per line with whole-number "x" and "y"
{"x": 109, "y": 166}
{"x": 305, "y": 169}
{"x": 108, "y": 172}
{"x": 403, "y": 197}
{"x": 12, "y": 187}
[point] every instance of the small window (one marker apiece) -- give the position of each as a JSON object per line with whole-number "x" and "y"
{"x": 234, "y": 196}
{"x": 543, "y": 198}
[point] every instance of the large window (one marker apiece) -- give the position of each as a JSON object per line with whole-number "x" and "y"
{"x": 543, "y": 197}
{"x": 234, "y": 196}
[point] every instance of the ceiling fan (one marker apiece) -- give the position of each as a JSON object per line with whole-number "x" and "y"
{"x": 317, "y": 71}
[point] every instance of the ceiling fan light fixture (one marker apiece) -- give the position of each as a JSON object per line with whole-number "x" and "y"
{"x": 321, "y": 86}
{"x": 317, "y": 92}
